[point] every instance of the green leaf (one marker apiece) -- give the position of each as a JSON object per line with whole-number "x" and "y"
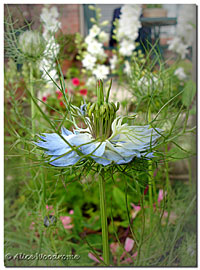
{"x": 189, "y": 92}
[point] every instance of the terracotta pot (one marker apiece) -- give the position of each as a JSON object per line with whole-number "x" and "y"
{"x": 154, "y": 12}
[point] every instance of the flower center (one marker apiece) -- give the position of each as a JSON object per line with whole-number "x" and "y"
{"x": 101, "y": 114}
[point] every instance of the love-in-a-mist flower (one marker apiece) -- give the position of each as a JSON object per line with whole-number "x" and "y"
{"x": 106, "y": 139}
{"x": 31, "y": 43}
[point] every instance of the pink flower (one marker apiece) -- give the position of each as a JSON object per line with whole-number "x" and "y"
{"x": 32, "y": 225}
{"x": 59, "y": 94}
{"x": 83, "y": 92}
{"x": 62, "y": 104}
{"x": 129, "y": 243}
{"x": 44, "y": 99}
{"x": 91, "y": 256}
{"x": 130, "y": 260}
{"x": 75, "y": 81}
{"x": 161, "y": 195}
{"x": 49, "y": 207}
{"x": 136, "y": 207}
{"x": 66, "y": 222}
{"x": 71, "y": 212}
{"x": 128, "y": 246}
{"x": 114, "y": 247}
{"x": 136, "y": 210}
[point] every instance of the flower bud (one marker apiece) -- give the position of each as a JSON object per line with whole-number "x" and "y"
{"x": 104, "y": 23}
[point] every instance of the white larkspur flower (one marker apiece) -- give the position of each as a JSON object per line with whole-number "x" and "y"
{"x": 103, "y": 37}
{"x": 126, "y": 47}
{"x": 113, "y": 62}
{"x": 174, "y": 43}
{"x": 129, "y": 22}
{"x": 177, "y": 45}
{"x": 101, "y": 72}
{"x": 88, "y": 39}
{"x": 52, "y": 48}
{"x": 127, "y": 68}
{"x": 89, "y": 61}
{"x": 125, "y": 143}
{"x": 94, "y": 31}
{"x": 183, "y": 50}
{"x": 185, "y": 30}
{"x": 91, "y": 82}
{"x": 50, "y": 67}
{"x": 51, "y": 24}
{"x": 49, "y": 18}
{"x": 179, "y": 72}
{"x": 96, "y": 48}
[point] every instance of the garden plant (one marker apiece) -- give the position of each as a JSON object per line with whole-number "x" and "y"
{"x": 91, "y": 180}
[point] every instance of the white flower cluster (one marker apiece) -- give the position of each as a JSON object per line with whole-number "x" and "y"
{"x": 127, "y": 30}
{"x": 49, "y": 18}
{"x": 185, "y": 30}
{"x": 179, "y": 72}
{"x": 113, "y": 61}
{"x": 95, "y": 53}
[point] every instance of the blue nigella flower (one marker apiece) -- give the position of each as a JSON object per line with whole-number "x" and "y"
{"x": 125, "y": 143}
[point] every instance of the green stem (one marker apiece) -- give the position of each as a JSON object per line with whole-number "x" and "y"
{"x": 104, "y": 223}
{"x": 151, "y": 184}
{"x": 52, "y": 242}
{"x": 151, "y": 179}
{"x": 33, "y": 111}
{"x": 168, "y": 186}
{"x": 190, "y": 171}
{"x": 150, "y": 194}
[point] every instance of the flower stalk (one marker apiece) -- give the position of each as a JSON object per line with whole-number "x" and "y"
{"x": 33, "y": 111}
{"x": 104, "y": 223}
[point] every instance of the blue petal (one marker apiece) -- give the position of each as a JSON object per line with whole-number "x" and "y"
{"x": 102, "y": 160}
{"x": 65, "y": 131}
{"x": 90, "y": 148}
{"x": 54, "y": 144}
{"x": 148, "y": 155}
{"x": 79, "y": 139}
{"x": 65, "y": 160}
{"x": 56, "y": 147}
{"x": 83, "y": 109}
